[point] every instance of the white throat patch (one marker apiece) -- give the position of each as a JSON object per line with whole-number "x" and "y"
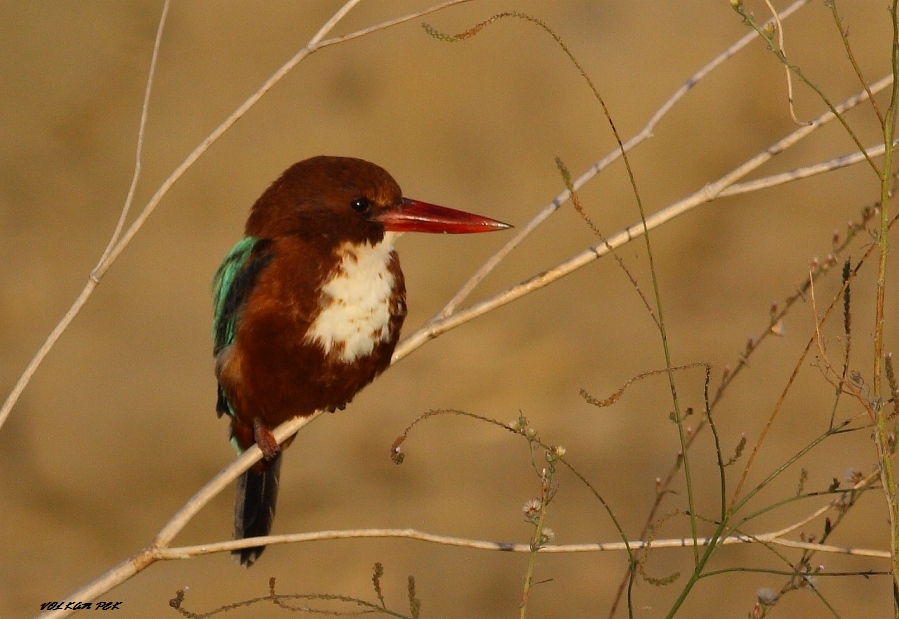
{"x": 355, "y": 305}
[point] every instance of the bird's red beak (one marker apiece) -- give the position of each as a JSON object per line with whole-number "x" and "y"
{"x": 415, "y": 216}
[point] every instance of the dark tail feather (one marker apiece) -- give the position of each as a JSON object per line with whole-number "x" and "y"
{"x": 254, "y": 509}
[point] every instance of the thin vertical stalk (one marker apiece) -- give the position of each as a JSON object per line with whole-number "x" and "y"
{"x": 882, "y": 433}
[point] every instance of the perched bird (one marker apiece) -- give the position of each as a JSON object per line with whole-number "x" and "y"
{"x": 308, "y": 308}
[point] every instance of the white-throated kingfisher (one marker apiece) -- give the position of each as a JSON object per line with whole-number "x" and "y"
{"x": 308, "y": 308}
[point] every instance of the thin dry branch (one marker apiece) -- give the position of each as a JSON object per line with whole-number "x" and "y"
{"x": 834, "y": 377}
{"x": 144, "y": 112}
{"x": 159, "y": 547}
{"x": 151, "y": 554}
{"x": 772, "y": 537}
{"x": 780, "y": 44}
{"x": 119, "y": 241}
{"x": 146, "y": 557}
{"x": 794, "y": 373}
{"x": 443, "y": 322}
{"x": 814, "y": 169}
{"x": 644, "y": 134}
{"x": 94, "y": 277}
{"x": 776, "y": 538}
{"x": 186, "y": 552}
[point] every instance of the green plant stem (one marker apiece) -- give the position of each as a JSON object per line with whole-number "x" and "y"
{"x": 697, "y": 571}
{"x": 725, "y": 523}
{"x": 844, "y": 36}
{"x": 538, "y": 540}
{"x": 768, "y": 36}
{"x": 532, "y": 563}
{"x": 882, "y": 433}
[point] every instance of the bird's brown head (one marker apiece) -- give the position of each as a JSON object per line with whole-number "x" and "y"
{"x": 345, "y": 199}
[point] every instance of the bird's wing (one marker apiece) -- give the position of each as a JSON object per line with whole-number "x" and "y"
{"x": 232, "y": 285}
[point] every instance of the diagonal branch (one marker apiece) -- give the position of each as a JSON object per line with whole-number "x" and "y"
{"x": 119, "y": 241}
{"x": 644, "y": 134}
{"x": 775, "y": 537}
{"x": 94, "y": 277}
{"x": 441, "y": 324}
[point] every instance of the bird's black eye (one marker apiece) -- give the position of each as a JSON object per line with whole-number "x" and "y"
{"x": 361, "y": 205}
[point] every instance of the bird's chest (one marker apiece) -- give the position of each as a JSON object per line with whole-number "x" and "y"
{"x": 360, "y": 303}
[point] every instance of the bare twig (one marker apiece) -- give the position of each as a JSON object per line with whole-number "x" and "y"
{"x": 644, "y": 134}
{"x": 157, "y": 549}
{"x": 844, "y": 37}
{"x": 95, "y": 276}
{"x": 776, "y": 537}
{"x": 119, "y": 241}
{"x": 767, "y": 33}
{"x": 805, "y": 171}
{"x": 144, "y": 112}
{"x": 884, "y": 437}
{"x": 777, "y": 25}
{"x": 794, "y": 373}
{"x": 438, "y": 325}
{"x": 770, "y": 538}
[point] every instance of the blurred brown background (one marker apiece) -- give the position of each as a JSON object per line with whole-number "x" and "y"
{"x": 117, "y": 429}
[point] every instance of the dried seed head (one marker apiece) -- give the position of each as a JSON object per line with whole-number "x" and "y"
{"x": 531, "y": 507}
{"x": 852, "y": 476}
{"x": 766, "y": 596}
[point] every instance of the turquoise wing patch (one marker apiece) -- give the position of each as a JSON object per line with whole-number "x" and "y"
{"x": 231, "y": 287}
{"x": 229, "y": 292}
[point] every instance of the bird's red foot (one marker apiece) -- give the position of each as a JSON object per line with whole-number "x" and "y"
{"x": 266, "y": 440}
